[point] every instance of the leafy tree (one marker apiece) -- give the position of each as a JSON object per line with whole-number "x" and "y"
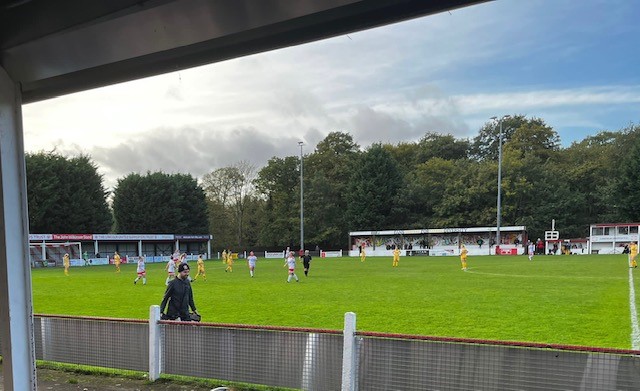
{"x": 66, "y": 195}
{"x": 485, "y": 144}
{"x": 276, "y": 183}
{"x": 159, "y": 203}
{"x": 374, "y": 183}
{"x": 628, "y": 196}
{"x": 325, "y": 190}
{"x": 229, "y": 190}
{"x": 443, "y": 146}
{"x": 406, "y": 154}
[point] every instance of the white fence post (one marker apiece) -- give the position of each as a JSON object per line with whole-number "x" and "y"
{"x": 154, "y": 343}
{"x": 349, "y": 368}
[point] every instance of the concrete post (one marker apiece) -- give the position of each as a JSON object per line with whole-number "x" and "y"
{"x": 154, "y": 343}
{"x": 349, "y": 352}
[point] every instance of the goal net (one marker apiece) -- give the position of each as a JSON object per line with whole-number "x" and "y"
{"x": 52, "y": 253}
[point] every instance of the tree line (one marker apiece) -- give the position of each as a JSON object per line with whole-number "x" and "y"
{"x": 439, "y": 181}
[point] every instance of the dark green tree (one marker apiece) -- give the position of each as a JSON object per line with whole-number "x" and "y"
{"x": 628, "y": 196}
{"x": 374, "y": 183}
{"x": 443, "y": 146}
{"x": 485, "y": 144}
{"x": 325, "y": 190}
{"x": 66, "y": 195}
{"x": 160, "y": 203}
{"x": 276, "y": 183}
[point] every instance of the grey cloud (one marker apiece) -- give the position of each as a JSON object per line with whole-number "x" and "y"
{"x": 371, "y": 126}
{"x": 192, "y": 151}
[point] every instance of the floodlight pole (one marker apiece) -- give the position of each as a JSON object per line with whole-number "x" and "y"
{"x": 498, "y": 212}
{"x": 300, "y": 143}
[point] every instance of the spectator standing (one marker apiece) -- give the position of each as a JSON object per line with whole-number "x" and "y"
{"x": 178, "y": 297}
{"x": 539, "y": 247}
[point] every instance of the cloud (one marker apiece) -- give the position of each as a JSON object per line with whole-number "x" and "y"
{"x": 444, "y": 73}
{"x": 528, "y": 100}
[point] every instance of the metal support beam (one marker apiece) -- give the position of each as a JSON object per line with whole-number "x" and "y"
{"x": 16, "y": 309}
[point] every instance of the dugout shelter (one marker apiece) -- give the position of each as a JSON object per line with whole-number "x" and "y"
{"x": 439, "y": 241}
{"x": 50, "y": 48}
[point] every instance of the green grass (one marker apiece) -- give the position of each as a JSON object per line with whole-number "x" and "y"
{"x": 578, "y": 300}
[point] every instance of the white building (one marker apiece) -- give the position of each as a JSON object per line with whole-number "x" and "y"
{"x": 611, "y": 238}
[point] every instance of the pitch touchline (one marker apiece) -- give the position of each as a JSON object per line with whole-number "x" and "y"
{"x": 537, "y": 276}
{"x": 635, "y": 329}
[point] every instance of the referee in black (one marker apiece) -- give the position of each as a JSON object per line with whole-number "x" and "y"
{"x": 306, "y": 261}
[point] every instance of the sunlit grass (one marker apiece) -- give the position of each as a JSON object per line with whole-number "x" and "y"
{"x": 579, "y": 300}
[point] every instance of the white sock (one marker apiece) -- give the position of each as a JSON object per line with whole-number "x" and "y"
{"x": 251, "y": 271}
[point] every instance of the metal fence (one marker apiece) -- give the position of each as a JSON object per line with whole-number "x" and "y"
{"x": 312, "y": 359}
{"x": 121, "y": 344}
{"x": 281, "y": 357}
{"x": 388, "y": 362}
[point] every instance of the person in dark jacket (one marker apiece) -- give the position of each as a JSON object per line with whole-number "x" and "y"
{"x": 306, "y": 261}
{"x": 179, "y": 296}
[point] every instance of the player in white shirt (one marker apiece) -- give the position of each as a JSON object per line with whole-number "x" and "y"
{"x": 291, "y": 262}
{"x": 531, "y": 250}
{"x": 171, "y": 271}
{"x": 251, "y": 260}
{"x": 142, "y": 272}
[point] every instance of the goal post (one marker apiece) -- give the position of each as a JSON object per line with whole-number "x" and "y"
{"x": 51, "y": 254}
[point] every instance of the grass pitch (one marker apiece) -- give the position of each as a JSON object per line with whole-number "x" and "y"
{"x": 577, "y": 300}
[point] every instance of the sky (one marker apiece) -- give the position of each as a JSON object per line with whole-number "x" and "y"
{"x": 572, "y": 63}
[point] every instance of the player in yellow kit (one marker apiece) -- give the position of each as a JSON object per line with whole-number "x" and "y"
{"x": 463, "y": 256}
{"x": 200, "y": 269}
{"x": 66, "y": 263}
{"x": 229, "y": 262}
{"x": 224, "y": 256}
{"x": 363, "y": 254}
{"x": 396, "y": 256}
{"x": 633, "y": 254}
{"x": 116, "y": 261}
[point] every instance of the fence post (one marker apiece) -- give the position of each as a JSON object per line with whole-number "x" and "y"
{"x": 349, "y": 369}
{"x": 154, "y": 343}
